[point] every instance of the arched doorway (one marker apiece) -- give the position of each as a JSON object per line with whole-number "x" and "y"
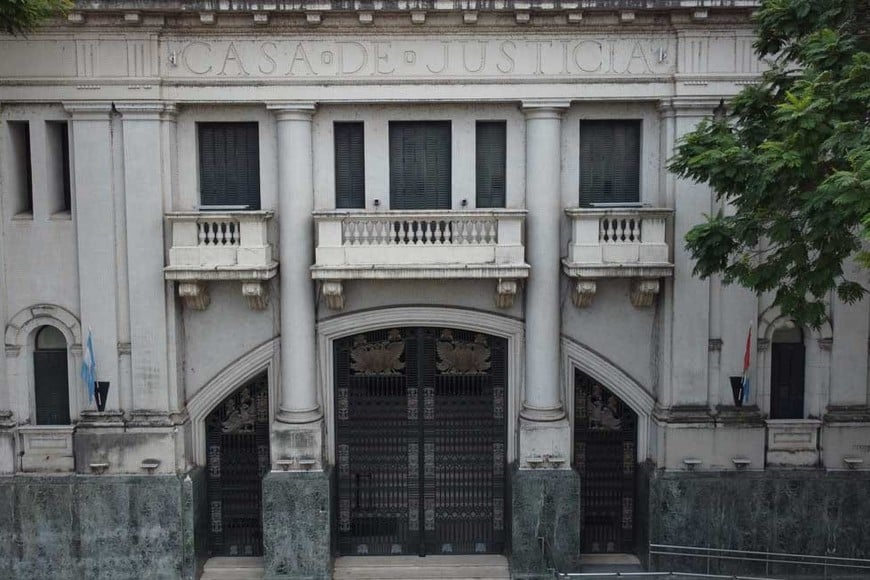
{"x": 605, "y": 454}
{"x": 420, "y": 417}
{"x": 237, "y": 457}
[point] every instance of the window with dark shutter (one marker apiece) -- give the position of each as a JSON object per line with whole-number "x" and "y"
{"x": 350, "y": 189}
{"x": 787, "y": 374}
{"x": 490, "y": 164}
{"x": 50, "y": 377}
{"x": 420, "y": 165}
{"x": 229, "y": 165}
{"x": 609, "y": 162}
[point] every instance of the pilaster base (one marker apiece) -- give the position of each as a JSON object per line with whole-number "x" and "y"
{"x": 545, "y": 516}
{"x": 545, "y": 445}
{"x": 297, "y": 446}
{"x": 7, "y": 451}
{"x": 297, "y": 523}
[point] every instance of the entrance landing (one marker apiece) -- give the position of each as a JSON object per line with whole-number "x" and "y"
{"x": 489, "y": 567}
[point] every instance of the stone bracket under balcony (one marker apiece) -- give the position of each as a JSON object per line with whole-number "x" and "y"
{"x": 208, "y": 247}
{"x": 419, "y": 245}
{"x": 618, "y": 243}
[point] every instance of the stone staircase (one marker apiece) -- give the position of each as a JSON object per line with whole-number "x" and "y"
{"x": 489, "y": 567}
{"x": 233, "y": 569}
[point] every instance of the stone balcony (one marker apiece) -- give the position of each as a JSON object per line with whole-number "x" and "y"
{"x": 618, "y": 243}
{"x": 212, "y": 246}
{"x": 430, "y": 244}
{"x": 793, "y": 442}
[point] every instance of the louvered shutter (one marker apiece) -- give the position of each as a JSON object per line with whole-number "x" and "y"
{"x": 420, "y": 165}
{"x": 350, "y": 190}
{"x": 490, "y": 164}
{"x": 52, "y": 391}
{"x": 609, "y": 162}
{"x": 229, "y": 164}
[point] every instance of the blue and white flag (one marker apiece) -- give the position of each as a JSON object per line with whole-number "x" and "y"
{"x": 89, "y": 366}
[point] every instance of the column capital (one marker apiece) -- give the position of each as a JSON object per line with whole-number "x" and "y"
{"x": 293, "y": 110}
{"x": 89, "y": 110}
{"x": 140, "y": 110}
{"x": 545, "y": 108}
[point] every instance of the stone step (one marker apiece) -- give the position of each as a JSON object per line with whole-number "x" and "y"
{"x": 610, "y": 563}
{"x": 228, "y": 568}
{"x": 489, "y": 567}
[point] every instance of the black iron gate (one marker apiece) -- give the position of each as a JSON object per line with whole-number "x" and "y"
{"x": 237, "y": 444}
{"x": 420, "y": 442}
{"x": 605, "y": 453}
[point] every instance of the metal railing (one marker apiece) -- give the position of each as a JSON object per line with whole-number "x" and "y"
{"x": 672, "y": 575}
{"x": 779, "y": 564}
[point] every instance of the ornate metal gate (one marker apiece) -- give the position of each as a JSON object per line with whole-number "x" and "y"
{"x": 605, "y": 440}
{"x": 420, "y": 442}
{"x": 237, "y": 440}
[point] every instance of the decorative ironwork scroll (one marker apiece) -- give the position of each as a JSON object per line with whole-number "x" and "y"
{"x": 605, "y": 454}
{"x": 421, "y": 429}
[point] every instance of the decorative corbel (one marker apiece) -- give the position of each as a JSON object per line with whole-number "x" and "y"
{"x": 194, "y": 294}
{"x": 643, "y": 292}
{"x": 583, "y": 293}
{"x": 257, "y": 294}
{"x": 505, "y": 292}
{"x": 333, "y": 293}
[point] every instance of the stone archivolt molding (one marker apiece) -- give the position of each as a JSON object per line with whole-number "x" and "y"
{"x": 28, "y": 319}
{"x": 265, "y": 357}
{"x": 576, "y": 356}
{"x": 334, "y": 328}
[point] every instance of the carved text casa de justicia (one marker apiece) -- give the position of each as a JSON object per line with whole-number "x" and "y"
{"x": 455, "y": 57}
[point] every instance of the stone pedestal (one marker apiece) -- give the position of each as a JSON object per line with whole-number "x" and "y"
{"x": 297, "y": 447}
{"x": 297, "y": 520}
{"x": 546, "y": 504}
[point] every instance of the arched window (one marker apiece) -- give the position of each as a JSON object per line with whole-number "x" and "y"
{"x": 787, "y": 374}
{"x": 50, "y": 377}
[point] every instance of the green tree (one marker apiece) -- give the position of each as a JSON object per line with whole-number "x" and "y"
{"x": 21, "y": 16}
{"x": 791, "y": 161}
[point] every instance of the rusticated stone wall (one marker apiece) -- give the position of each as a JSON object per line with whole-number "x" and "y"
{"x": 795, "y": 512}
{"x": 94, "y": 527}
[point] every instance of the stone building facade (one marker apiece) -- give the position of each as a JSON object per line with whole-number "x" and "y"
{"x": 393, "y": 278}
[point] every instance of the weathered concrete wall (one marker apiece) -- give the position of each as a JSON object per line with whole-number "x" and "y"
{"x": 70, "y": 527}
{"x": 797, "y": 512}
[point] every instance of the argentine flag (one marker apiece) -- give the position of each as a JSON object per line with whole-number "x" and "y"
{"x": 746, "y": 362}
{"x": 89, "y": 366}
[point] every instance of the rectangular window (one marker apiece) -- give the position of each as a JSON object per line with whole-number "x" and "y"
{"x": 609, "y": 162}
{"x": 57, "y": 135}
{"x": 490, "y": 164}
{"x": 350, "y": 187}
{"x": 22, "y": 172}
{"x": 229, "y": 165}
{"x": 419, "y": 164}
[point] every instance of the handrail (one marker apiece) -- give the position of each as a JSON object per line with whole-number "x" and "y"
{"x": 678, "y": 575}
{"x": 547, "y": 552}
{"x": 784, "y": 554}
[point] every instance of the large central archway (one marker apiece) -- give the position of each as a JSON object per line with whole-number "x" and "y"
{"x": 420, "y": 422}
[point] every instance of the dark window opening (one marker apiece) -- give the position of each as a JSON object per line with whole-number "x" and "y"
{"x": 787, "y": 374}
{"x": 350, "y": 188}
{"x": 50, "y": 377}
{"x": 490, "y": 163}
{"x": 229, "y": 165}
{"x": 420, "y": 164}
{"x": 57, "y": 133}
{"x": 22, "y": 173}
{"x": 609, "y": 162}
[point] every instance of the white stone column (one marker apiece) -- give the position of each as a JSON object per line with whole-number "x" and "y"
{"x": 94, "y": 209}
{"x": 7, "y": 422}
{"x": 544, "y": 432}
{"x": 849, "y": 356}
{"x": 143, "y": 194}
{"x": 299, "y": 406}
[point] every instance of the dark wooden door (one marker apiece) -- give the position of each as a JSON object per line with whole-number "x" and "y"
{"x": 787, "y": 381}
{"x": 605, "y": 454}
{"x": 420, "y": 442}
{"x": 52, "y": 391}
{"x": 237, "y": 439}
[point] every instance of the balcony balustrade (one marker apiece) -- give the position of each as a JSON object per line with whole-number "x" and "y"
{"x": 618, "y": 243}
{"x": 430, "y": 244}
{"x": 220, "y": 246}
